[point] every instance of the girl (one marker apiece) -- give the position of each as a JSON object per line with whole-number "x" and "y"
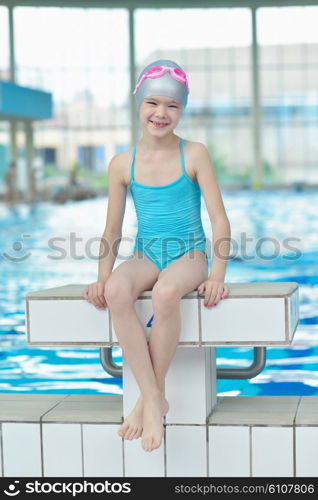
{"x": 166, "y": 176}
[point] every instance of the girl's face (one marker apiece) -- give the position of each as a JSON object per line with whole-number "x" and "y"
{"x": 159, "y": 114}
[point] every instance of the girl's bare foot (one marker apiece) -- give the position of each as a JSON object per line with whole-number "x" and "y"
{"x": 152, "y": 423}
{"x": 133, "y": 424}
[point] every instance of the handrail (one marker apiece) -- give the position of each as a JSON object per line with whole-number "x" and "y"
{"x": 251, "y": 371}
{"x": 223, "y": 373}
{"x": 108, "y": 363}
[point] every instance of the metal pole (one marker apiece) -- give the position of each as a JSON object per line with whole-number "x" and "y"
{"x": 132, "y": 65}
{"x": 12, "y": 75}
{"x": 256, "y": 108}
{"x": 11, "y": 45}
{"x": 13, "y": 141}
{"x": 251, "y": 371}
{"x": 29, "y": 159}
{"x": 108, "y": 364}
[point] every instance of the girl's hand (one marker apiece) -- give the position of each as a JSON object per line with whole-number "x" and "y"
{"x": 214, "y": 291}
{"x": 94, "y": 294}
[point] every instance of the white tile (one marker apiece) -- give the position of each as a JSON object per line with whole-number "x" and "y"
{"x": 255, "y": 411}
{"x": 62, "y": 321}
{"x": 306, "y": 451}
{"x": 144, "y": 312}
{"x": 210, "y": 379}
{"x": 102, "y": 449}
{"x": 21, "y": 449}
{"x": 140, "y": 463}
{"x": 293, "y": 312}
{"x": 62, "y": 450}
{"x": 189, "y": 309}
{"x": 229, "y": 451}
{"x": 191, "y": 385}
{"x": 186, "y": 453}
{"x": 272, "y": 451}
{"x": 238, "y": 320}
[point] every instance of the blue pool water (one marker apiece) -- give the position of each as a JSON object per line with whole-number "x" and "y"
{"x": 52, "y": 245}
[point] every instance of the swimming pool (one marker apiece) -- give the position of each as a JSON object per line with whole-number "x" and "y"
{"x": 274, "y": 238}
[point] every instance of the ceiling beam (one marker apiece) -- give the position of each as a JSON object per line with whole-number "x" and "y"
{"x": 161, "y": 4}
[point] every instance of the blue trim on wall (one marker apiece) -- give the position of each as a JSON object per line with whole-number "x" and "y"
{"x": 24, "y": 103}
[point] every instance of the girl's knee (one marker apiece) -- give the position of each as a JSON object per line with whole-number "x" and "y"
{"x": 165, "y": 294}
{"x": 118, "y": 293}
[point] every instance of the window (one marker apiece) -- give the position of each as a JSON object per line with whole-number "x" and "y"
{"x": 81, "y": 56}
{"x": 218, "y": 63}
{"x": 92, "y": 157}
{"x": 288, "y": 40}
{"x": 4, "y": 44}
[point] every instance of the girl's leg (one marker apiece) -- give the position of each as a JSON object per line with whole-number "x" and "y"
{"x": 179, "y": 278}
{"x": 122, "y": 289}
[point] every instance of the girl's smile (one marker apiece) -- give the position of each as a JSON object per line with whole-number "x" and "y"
{"x": 158, "y": 124}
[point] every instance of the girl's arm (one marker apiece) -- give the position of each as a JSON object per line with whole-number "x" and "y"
{"x": 221, "y": 229}
{"x": 117, "y": 190}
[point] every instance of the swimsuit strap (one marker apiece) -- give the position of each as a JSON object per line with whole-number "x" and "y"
{"x": 182, "y": 156}
{"x": 132, "y": 165}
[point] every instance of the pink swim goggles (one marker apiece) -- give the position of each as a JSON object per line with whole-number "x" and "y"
{"x": 157, "y": 71}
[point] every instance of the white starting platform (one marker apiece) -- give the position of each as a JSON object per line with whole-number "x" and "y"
{"x": 205, "y": 435}
{"x": 254, "y": 314}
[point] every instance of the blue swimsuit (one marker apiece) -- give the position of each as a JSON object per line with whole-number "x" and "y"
{"x": 169, "y": 217}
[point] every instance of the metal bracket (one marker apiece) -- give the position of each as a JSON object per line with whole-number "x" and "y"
{"x": 229, "y": 373}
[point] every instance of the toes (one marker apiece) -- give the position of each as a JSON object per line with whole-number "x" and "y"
{"x": 144, "y": 443}
{"x": 133, "y": 434}
{"x": 130, "y": 433}
{"x": 127, "y": 433}
{"x": 149, "y": 444}
{"x": 120, "y": 431}
{"x": 123, "y": 430}
{"x": 156, "y": 444}
{"x": 138, "y": 433}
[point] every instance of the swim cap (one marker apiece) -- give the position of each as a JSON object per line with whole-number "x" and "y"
{"x": 163, "y": 85}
